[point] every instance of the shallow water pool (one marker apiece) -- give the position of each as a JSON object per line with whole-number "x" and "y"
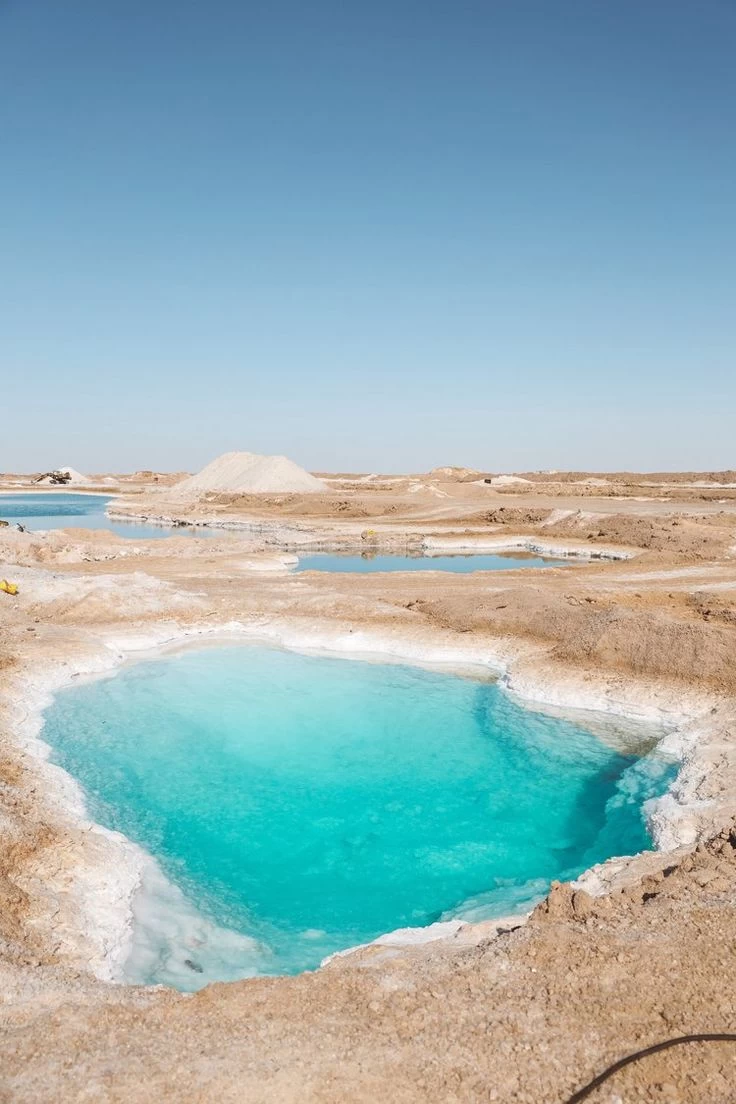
{"x": 325, "y": 561}
{"x": 304, "y": 805}
{"x": 62, "y": 510}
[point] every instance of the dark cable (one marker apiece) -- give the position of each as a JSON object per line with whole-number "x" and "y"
{"x": 585, "y": 1092}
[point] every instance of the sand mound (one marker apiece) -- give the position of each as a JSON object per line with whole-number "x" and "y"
{"x": 507, "y": 480}
{"x": 453, "y": 473}
{"x": 74, "y": 476}
{"x": 249, "y": 473}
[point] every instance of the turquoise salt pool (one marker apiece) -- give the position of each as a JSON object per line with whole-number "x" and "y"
{"x": 62, "y": 510}
{"x": 311, "y": 804}
{"x": 325, "y": 561}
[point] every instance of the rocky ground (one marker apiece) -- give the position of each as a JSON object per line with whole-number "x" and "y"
{"x": 529, "y": 1015}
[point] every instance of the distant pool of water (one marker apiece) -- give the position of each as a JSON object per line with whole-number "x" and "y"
{"x": 303, "y": 805}
{"x": 324, "y": 561}
{"x": 63, "y": 510}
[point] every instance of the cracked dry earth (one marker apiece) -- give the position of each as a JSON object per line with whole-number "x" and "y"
{"x": 526, "y": 1017}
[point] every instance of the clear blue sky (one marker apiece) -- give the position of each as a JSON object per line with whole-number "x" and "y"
{"x": 374, "y": 236}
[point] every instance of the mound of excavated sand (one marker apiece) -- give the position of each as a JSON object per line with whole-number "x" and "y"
{"x": 74, "y": 476}
{"x": 507, "y": 480}
{"x": 249, "y": 473}
{"x": 452, "y": 472}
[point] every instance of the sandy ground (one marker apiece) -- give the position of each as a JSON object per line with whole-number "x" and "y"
{"x": 525, "y": 1016}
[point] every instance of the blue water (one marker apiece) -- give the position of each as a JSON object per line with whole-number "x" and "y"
{"x": 62, "y": 510}
{"x": 323, "y": 561}
{"x": 312, "y": 804}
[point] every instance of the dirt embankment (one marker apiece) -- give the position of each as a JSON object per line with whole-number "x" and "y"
{"x": 691, "y": 536}
{"x": 611, "y": 488}
{"x": 697, "y": 538}
{"x": 592, "y": 631}
{"x": 326, "y": 506}
{"x": 634, "y": 479}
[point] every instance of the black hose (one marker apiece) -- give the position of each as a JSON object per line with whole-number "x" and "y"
{"x": 585, "y": 1092}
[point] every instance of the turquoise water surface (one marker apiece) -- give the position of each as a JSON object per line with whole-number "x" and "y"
{"x": 311, "y": 804}
{"x": 63, "y": 510}
{"x": 325, "y": 561}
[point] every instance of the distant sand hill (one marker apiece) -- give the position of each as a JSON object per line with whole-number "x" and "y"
{"x": 249, "y": 473}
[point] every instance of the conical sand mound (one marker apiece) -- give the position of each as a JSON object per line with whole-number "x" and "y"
{"x": 249, "y": 473}
{"x": 74, "y": 476}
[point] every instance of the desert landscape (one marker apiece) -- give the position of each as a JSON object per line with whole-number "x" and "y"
{"x": 367, "y": 553}
{"x": 636, "y": 625}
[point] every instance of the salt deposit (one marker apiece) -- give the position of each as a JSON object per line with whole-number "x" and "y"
{"x": 249, "y": 473}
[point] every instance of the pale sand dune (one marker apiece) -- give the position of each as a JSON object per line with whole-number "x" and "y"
{"x": 249, "y": 473}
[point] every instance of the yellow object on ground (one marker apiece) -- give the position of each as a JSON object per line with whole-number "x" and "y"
{"x": 9, "y": 588}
